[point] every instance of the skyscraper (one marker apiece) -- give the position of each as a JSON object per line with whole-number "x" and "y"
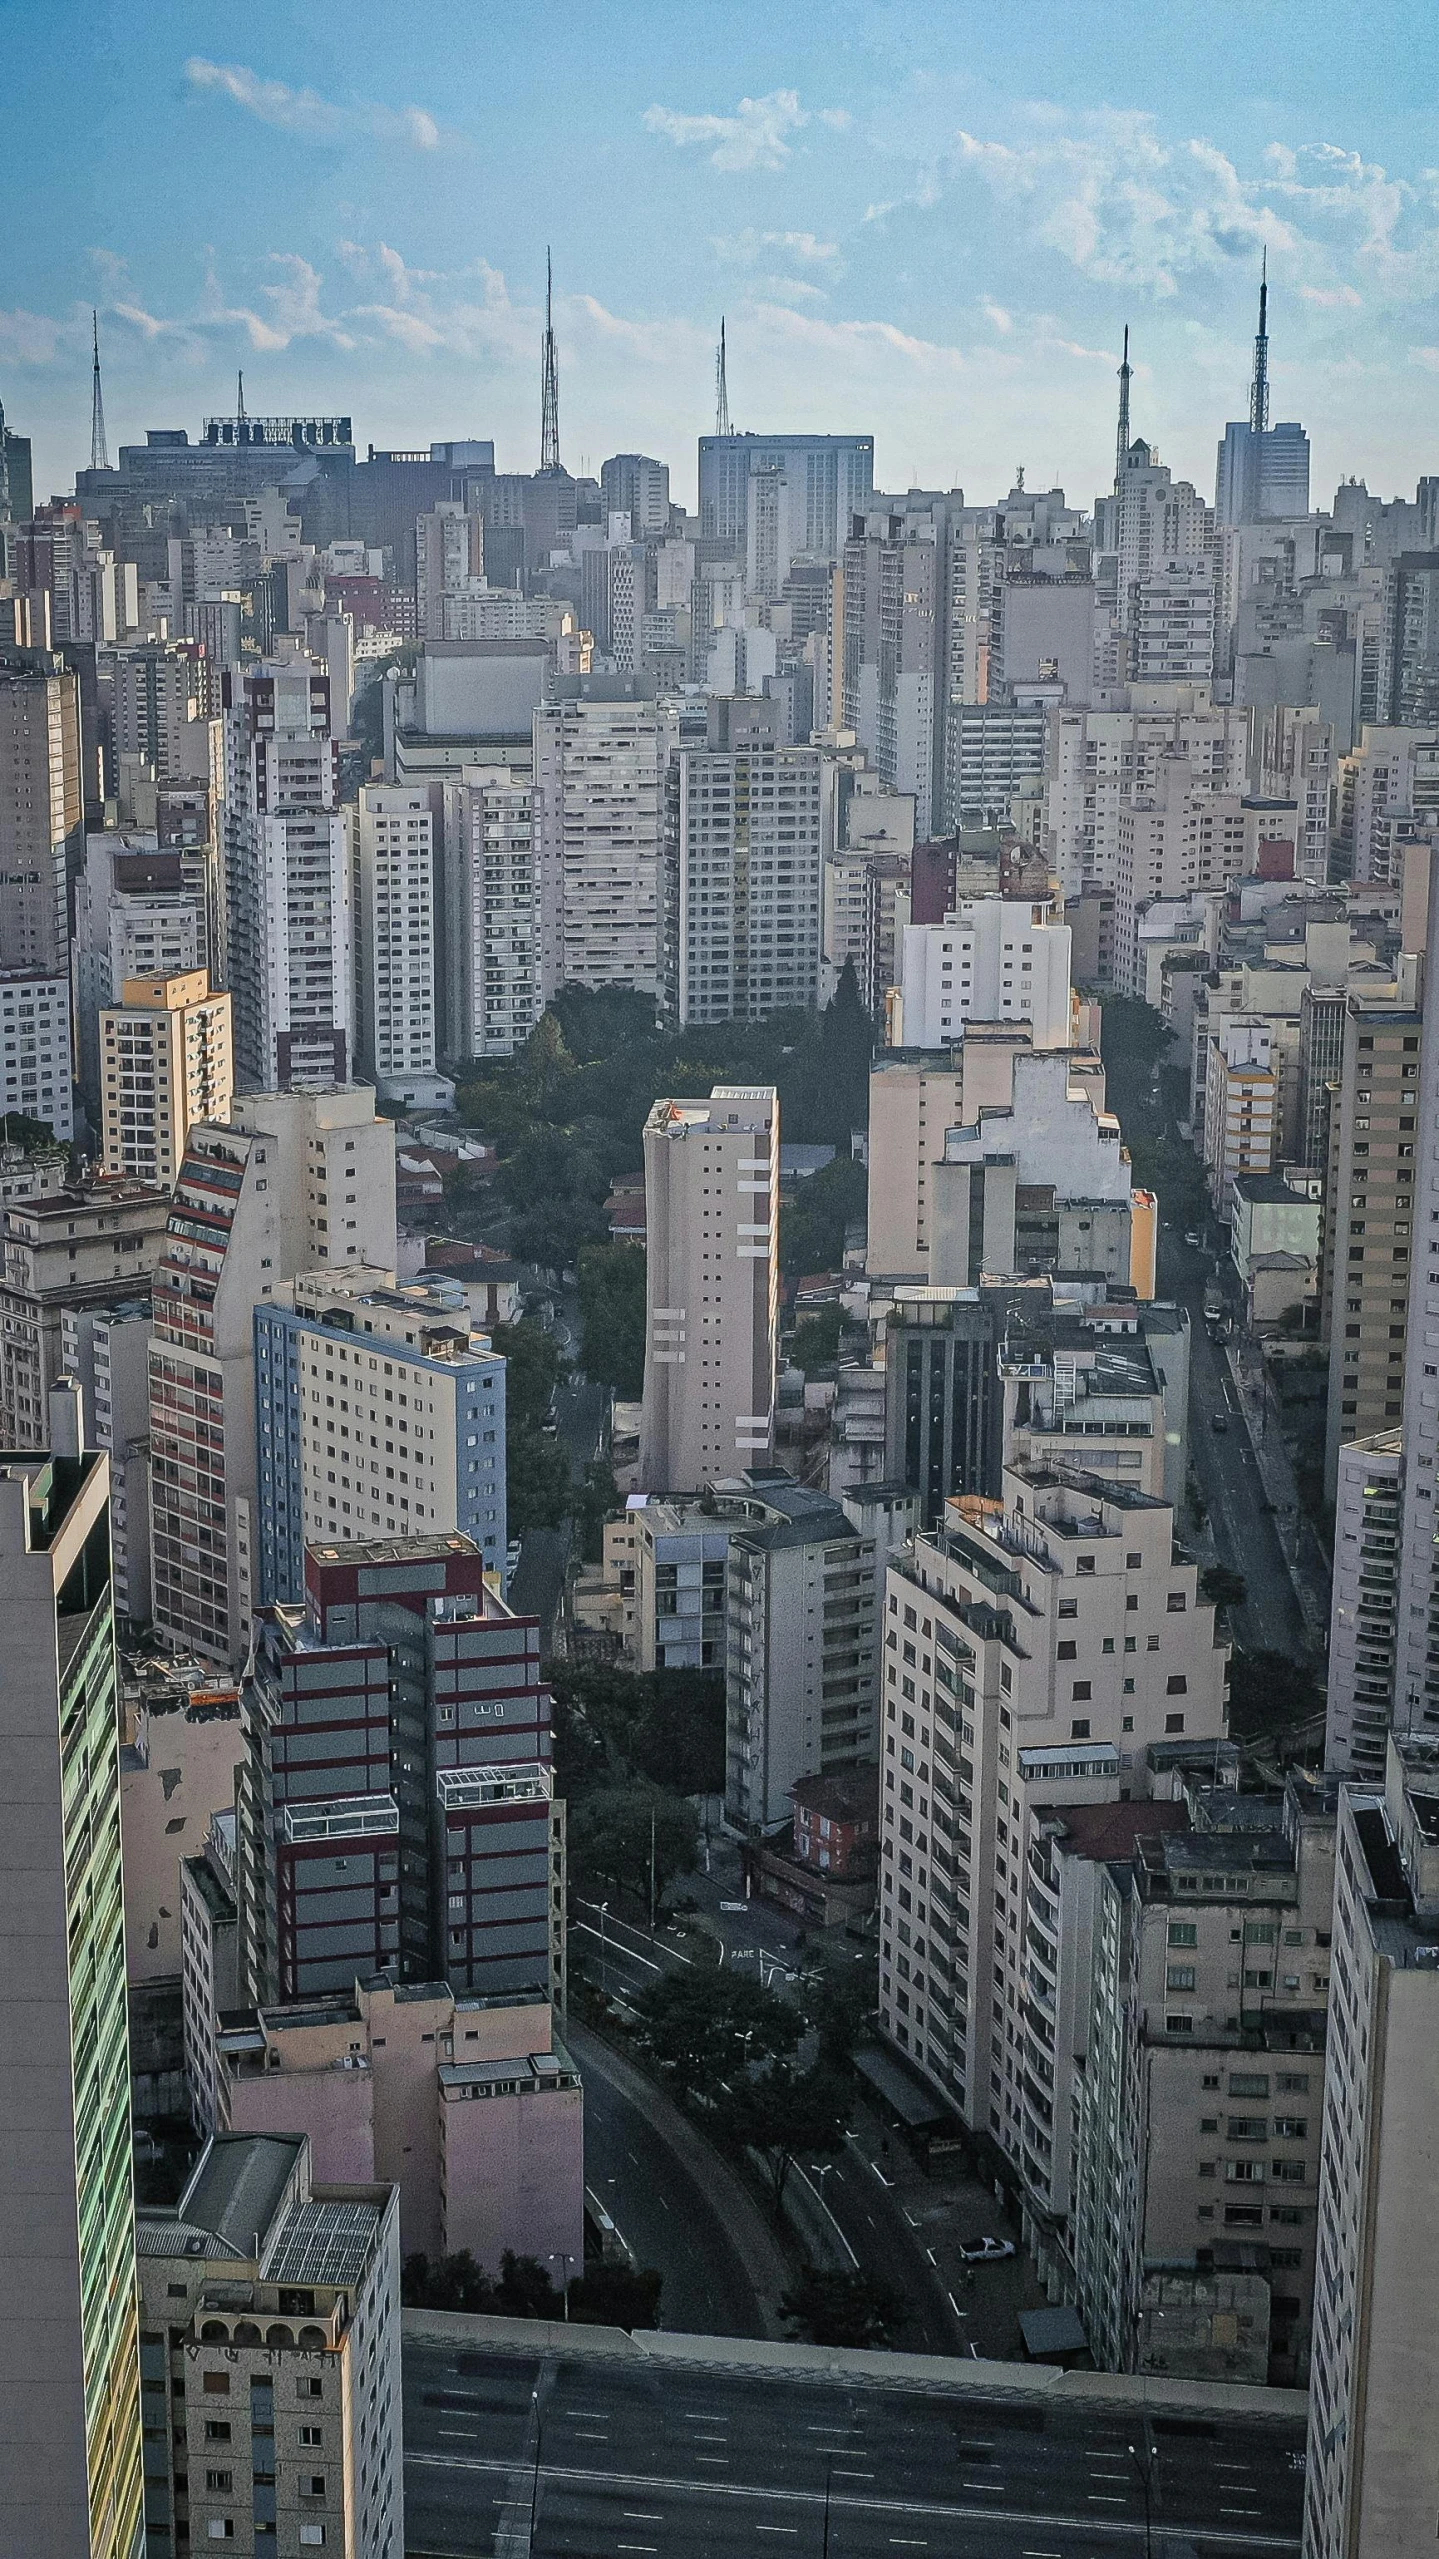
{"x": 600, "y": 757}
{"x": 41, "y": 808}
{"x": 287, "y": 877}
{"x": 765, "y": 500}
{"x": 746, "y": 869}
{"x": 70, "y": 2448}
{"x": 712, "y": 1287}
{"x": 166, "y": 1061}
{"x": 1262, "y": 470}
{"x": 397, "y": 1032}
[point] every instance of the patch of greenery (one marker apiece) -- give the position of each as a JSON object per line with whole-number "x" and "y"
{"x": 814, "y": 1216}
{"x": 852, "y": 2308}
{"x": 612, "y": 1316}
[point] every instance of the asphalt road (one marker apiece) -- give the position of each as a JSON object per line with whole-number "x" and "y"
{"x": 706, "y": 2462}
{"x": 1245, "y": 1534}
{"x": 660, "y": 2211}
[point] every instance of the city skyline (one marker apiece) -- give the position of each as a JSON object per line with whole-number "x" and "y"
{"x": 937, "y": 245}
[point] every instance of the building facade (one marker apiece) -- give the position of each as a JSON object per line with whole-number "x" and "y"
{"x": 167, "y": 1060}
{"x": 711, "y": 1287}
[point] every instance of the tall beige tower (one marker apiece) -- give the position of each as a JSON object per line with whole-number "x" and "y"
{"x": 712, "y": 1313}
{"x": 166, "y": 1061}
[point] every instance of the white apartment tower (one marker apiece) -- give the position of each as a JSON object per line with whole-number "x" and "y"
{"x": 492, "y": 925}
{"x": 600, "y": 757}
{"x": 995, "y": 959}
{"x": 294, "y": 1182}
{"x": 287, "y": 878}
{"x": 712, "y": 1288}
{"x": 749, "y": 863}
{"x": 398, "y": 1009}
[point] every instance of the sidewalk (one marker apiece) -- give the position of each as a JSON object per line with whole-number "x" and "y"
{"x": 1297, "y": 1541}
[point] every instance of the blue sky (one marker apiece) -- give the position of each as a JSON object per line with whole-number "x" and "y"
{"x": 929, "y": 222}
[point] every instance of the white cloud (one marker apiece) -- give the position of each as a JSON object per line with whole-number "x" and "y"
{"x": 31, "y": 337}
{"x": 745, "y": 247}
{"x": 756, "y": 136}
{"x": 305, "y": 112}
{"x": 998, "y": 317}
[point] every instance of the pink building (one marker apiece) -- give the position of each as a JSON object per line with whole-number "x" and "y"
{"x": 471, "y": 2106}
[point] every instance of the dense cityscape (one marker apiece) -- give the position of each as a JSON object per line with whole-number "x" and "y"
{"x": 719, "y": 1472}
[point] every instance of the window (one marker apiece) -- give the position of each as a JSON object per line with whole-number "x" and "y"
{"x": 313, "y": 2484}
{"x": 1067, "y": 1652}
{"x": 310, "y": 2435}
{"x": 1079, "y": 1729}
{"x": 217, "y": 2385}
{"x": 1179, "y": 2025}
{"x": 221, "y": 2528}
{"x": 1082, "y": 1689}
{"x": 217, "y": 2430}
{"x": 219, "y": 2479}
{"x": 1176, "y": 1685}
{"x": 1179, "y": 1977}
{"x": 1183, "y": 1932}
{"x": 307, "y": 2387}
{"x": 1174, "y": 1723}
{"x": 1177, "y": 1603}
{"x": 1291, "y": 2128}
{"x": 1069, "y": 1608}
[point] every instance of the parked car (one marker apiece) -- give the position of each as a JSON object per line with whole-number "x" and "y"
{"x": 1218, "y": 1422}
{"x": 986, "y": 2251}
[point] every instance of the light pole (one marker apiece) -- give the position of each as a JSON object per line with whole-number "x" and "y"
{"x": 828, "y": 2484}
{"x": 1142, "y": 2466}
{"x": 535, "y": 2481}
{"x": 563, "y": 2258}
{"x": 604, "y": 1976}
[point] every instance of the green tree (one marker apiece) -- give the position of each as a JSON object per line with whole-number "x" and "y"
{"x": 534, "y": 1366}
{"x": 816, "y": 1340}
{"x": 594, "y": 1503}
{"x": 1269, "y": 1694}
{"x": 813, "y": 1217}
{"x": 783, "y": 2115}
{"x": 624, "y": 1835}
{"x": 852, "y": 2308}
{"x": 445, "y": 2283}
{"x": 1226, "y": 1588}
{"x": 665, "y": 1725}
{"x": 545, "y": 1065}
{"x": 611, "y": 2295}
{"x": 612, "y": 1316}
{"x": 701, "y": 2026}
{"x": 537, "y": 1483}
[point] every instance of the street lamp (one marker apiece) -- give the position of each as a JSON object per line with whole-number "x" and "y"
{"x": 604, "y": 1976}
{"x": 1143, "y": 2469}
{"x": 563, "y": 2257}
{"x": 535, "y": 2482}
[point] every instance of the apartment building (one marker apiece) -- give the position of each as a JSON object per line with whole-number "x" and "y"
{"x": 1195, "y": 2137}
{"x": 395, "y": 1806}
{"x": 745, "y": 861}
{"x": 468, "y": 2102}
{"x": 1364, "y": 1606}
{"x": 42, "y": 813}
{"x": 294, "y": 1182}
{"x": 141, "y": 910}
{"x": 397, "y": 1028}
{"x": 379, "y": 1412}
{"x": 994, "y": 959}
{"x": 287, "y": 880}
{"x": 1241, "y": 1105}
{"x": 800, "y": 1650}
{"x": 1100, "y": 762}
{"x": 1367, "y": 1238}
{"x": 105, "y": 1348}
{"x": 712, "y": 1287}
{"x": 36, "y": 1060}
{"x": 1042, "y": 1185}
{"x": 83, "y": 1248}
{"x": 70, "y": 2454}
{"x": 166, "y": 1061}
{"x": 600, "y": 756}
{"x": 1372, "y": 2469}
{"x": 490, "y": 898}
{"x": 1180, "y": 839}
{"x": 1035, "y": 1650}
{"x": 270, "y": 2358}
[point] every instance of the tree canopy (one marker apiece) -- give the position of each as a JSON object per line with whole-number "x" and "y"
{"x": 703, "y": 2026}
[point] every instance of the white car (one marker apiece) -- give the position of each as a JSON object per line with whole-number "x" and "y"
{"x": 983, "y": 2252}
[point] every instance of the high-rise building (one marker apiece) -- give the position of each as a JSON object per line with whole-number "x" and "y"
{"x": 287, "y": 881}
{"x": 1367, "y": 1247}
{"x": 801, "y": 1604}
{"x": 295, "y": 1182}
{"x": 1371, "y": 2473}
{"x": 270, "y": 2357}
{"x": 105, "y": 1348}
{"x": 746, "y": 870}
{"x": 449, "y": 562}
{"x": 993, "y": 959}
{"x": 1262, "y": 470}
{"x": 1034, "y": 1651}
{"x": 70, "y": 2450}
{"x": 140, "y": 911}
{"x": 36, "y": 1060}
{"x": 1408, "y": 675}
{"x": 41, "y": 808}
{"x": 600, "y": 756}
{"x": 395, "y": 1805}
{"x": 766, "y": 500}
{"x": 492, "y": 927}
{"x": 166, "y": 1061}
{"x": 1099, "y": 761}
{"x": 397, "y": 1027}
{"x": 17, "y": 497}
{"x": 633, "y": 484}
{"x": 894, "y": 635}
{"x": 1364, "y": 1607}
{"x": 92, "y": 1247}
{"x": 159, "y": 695}
{"x": 712, "y": 1287}
{"x": 423, "y": 1449}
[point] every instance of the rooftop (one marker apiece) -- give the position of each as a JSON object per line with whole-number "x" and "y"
{"x": 239, "y": 2186}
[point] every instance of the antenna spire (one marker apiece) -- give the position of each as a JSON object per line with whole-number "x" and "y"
{"x": 240, "y": 395}
{"x": 1259, "y": 391}
{"x": 549, "y": 383}
{"x": 99, "y": 450}
{"x": 1121, "y": 441}
{"x": 722, "y": 424}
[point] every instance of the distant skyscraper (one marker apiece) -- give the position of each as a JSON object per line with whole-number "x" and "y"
{"x": 749, "y": 823}
{"x": 398, "y": 1027}
{"x": 712, "y": 1324}
{"x": 1263, "y": 471}
{"x": 600, "y": 758}
{"x": 767, "y": 499}
{"x": 41, "y": 807}
{"x": 70, "y": 2448}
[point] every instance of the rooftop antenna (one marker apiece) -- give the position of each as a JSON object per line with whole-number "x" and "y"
{"x": 1122, "y": 440}
{"x": 1259, "y": 391}
{"x": 722, "y": 424}
{"x": 99, "y": 451}
{"x": 549, "y": 384}
{"x": 240, "y": 397}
